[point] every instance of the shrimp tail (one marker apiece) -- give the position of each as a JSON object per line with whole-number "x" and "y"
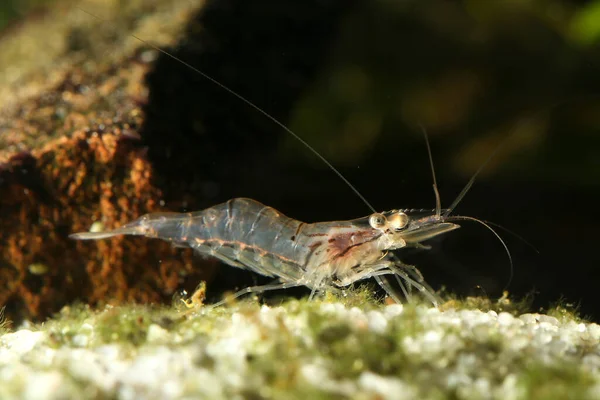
{"x": 156, "y": 225}
{"x": 105, "y": 235}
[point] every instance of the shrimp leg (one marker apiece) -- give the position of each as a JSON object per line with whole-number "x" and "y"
{"x": 385, "y": 285}
{"x": 423, "y": 287}
{"x": 367, "y": 272}
{"x": 255, "y": 289}
{"x": 395, "y": 268}
{"x": 413, "y": 270}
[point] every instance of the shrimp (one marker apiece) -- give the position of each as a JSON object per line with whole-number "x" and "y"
{"x": 246, "y": 234}
{"x": 322, "y": 256}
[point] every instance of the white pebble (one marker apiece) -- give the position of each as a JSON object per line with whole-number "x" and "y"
{"x": 505, "y": 319}
{"x": 377, "y": 322}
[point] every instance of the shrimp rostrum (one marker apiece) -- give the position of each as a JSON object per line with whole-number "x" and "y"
{"x": 322, "y": 256}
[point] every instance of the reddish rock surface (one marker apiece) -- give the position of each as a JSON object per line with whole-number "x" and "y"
{"x": 70, "y": 155}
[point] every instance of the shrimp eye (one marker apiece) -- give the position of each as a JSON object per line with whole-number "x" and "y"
{"x": 377, "y": 221}
{"x": 398, "y": 221}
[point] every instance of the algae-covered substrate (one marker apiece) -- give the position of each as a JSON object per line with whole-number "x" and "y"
{"x": 328, "y": 348}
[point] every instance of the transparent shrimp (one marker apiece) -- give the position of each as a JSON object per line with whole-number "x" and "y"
{"x": 322, "y": 256}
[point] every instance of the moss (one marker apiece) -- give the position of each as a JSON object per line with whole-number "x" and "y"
{"x": 327, "y": 348}
{"x": 550, "y": 382}
{"x": 564, "y": 310}
{"x": 359, "y": 296}
{"x": 502, "y": 304}
{"x": 80, "y": 324}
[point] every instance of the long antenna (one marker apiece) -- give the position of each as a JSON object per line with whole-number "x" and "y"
{"x": 467, "y": 187}
{"x": 485, "y": 224}
{"x": 438, "y": 202}
{"x": 251, "y": 104}
{"x": 469, "y": 184}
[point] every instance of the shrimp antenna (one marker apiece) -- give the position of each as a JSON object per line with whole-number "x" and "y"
{"x": 438, "y": 202}
{"x": 251, "y": 104}
{"x": 491, "y": 156}
{"x": 513, "y": 233}
{"x": 510, "y": 259}
{"x": 469, "y": 184}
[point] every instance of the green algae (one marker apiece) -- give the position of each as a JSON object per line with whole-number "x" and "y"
{"x": 327, "y": 348}
{"x": 505, "y": 303}
{"x": 556, "y": 382}
{"x": 564, "y": 310}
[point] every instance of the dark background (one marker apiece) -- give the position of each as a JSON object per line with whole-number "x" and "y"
{"x": 355, "y": 79}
